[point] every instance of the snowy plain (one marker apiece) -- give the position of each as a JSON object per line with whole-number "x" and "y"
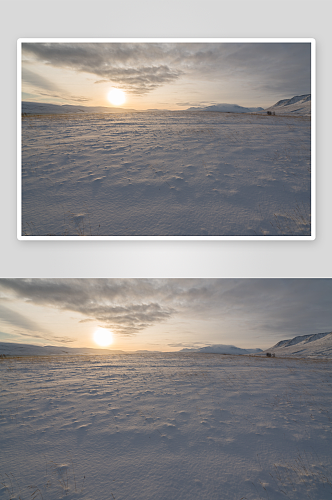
{"x": 166, "y": 174}
{"x": 160, "y": 426}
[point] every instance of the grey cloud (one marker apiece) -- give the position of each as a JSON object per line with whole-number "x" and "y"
{"x": 37, "y": 80}
{"x": 142, "y": 80}
{"x": 63, "y": 339}
{"x": 64, "y": 97}
{"x": 114, "y": 62}
{"x": 131, "y": 318}
{"x": 33, "y": 329}
{"x": 126, "y": 306}
{"x": 185, "y": 104}
{"x": 51, "y": 338}
{"x": 44, "y": 84}
{"x": 187, "y": 344}
{"x": 17, "y": 319}
{"x": 30, "y": 335}
{"x": 269, "y": 68}
{"x": 283, "y": 307}
{"x": 274, "y": 307}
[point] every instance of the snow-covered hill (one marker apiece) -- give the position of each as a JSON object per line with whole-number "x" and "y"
{"x": 39, "y": 108}
{"x": 13, "y": 349}
{"x": 297, "y": 105}
{"x": 317, "y": 345}
{"x": 226, "y": 108}
{"x": 223, "y": 349}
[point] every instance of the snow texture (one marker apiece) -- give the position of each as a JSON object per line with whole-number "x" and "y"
{"x": 166, "y": 174}
{"x": 316, "y": 345}
{"x": 176, "y": 426}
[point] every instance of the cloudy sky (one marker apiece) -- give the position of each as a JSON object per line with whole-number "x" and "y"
{"x": 163, "y": 314}
{"x": 165, "y": 75}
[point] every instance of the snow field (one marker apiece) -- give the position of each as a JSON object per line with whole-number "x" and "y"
{"x": 166, "y": 174}
{"x": 187, "y": 426}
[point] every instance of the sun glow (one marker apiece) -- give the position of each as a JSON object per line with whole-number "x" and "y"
{"x": 103, "y": 337}
{"x": 116, "y": 97}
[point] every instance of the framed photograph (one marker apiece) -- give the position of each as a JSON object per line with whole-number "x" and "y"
{"x": 191, "y": 389}
{"x": 166, "y": 139}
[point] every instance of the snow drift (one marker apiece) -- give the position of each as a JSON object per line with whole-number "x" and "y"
{"x": 317, "y": 345}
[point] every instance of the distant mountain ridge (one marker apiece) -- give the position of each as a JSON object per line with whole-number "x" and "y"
{"x": 39, "y": 108}
{"x": 13, "y": 349}
{"x": 297, "y": 105}
{"x": 226, "y": 108}
{"x": 222, "y": 349}
{"x": 316, "y": 345}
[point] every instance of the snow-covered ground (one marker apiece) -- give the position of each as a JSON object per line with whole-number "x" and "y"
{"x": 316, "y": 345}
{"x": 161, "y": 426}
{"x": 166, "y": 174}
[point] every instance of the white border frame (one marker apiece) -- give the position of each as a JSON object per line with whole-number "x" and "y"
{"x": 312, "y": 41}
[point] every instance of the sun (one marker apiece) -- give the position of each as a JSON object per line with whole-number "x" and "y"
{"x": 116, "y": 97}
{"x": 103, "y": 337}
